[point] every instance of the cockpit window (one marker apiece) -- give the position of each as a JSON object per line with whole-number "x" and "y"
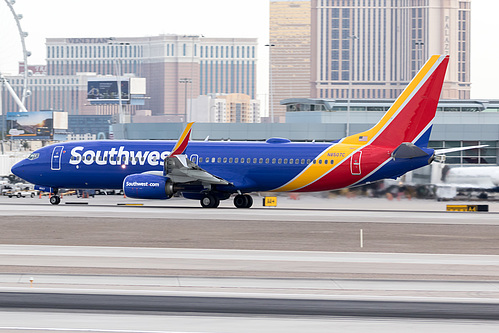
{"x": 33, "y": 156}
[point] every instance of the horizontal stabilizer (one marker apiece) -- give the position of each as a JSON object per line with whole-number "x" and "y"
{"x": 408, "y": 150}
{"x": 451, "y": 150}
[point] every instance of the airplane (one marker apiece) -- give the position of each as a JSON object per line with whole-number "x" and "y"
{"x": 450, "y": 182}
{"x": 479, "y": 177}
{"x": 213, "y": 171}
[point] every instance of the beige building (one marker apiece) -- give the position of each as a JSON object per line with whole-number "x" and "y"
{"x": 379, "y": 45}
{"x": 290, "y": 55}
{"x": 224, "y": 108}
{"x": 237, "y": 108}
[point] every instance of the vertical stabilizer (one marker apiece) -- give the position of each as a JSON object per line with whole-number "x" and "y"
{"x": 410, "y": 117}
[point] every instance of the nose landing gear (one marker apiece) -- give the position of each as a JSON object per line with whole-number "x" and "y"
{"x": 55, "y": 199}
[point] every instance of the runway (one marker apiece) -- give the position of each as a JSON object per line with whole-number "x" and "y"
{"x": 305, "y": 260}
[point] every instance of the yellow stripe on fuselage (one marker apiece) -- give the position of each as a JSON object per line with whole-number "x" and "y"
{"x": 338, "y": 153}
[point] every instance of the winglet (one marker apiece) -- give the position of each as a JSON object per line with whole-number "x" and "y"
{"x": 182, "y": 141}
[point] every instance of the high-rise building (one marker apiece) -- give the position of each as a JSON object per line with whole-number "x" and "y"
{"x": 289, "y": 53}
{"x": 364, "y": 48}
{"x": 372, "y": 48}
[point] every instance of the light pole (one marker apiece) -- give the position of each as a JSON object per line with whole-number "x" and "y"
{"x": 185, "y": 80}
{"x": 192, "y": 61}
{"x": 270, "y": 87}
{"x": 350, "y": 82}
{"x": 118, "y": 69}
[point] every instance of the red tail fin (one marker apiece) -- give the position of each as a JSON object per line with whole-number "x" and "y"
{"x": 411, "y": 115}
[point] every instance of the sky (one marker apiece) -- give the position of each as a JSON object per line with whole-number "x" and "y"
{"x": 211, "y": 18}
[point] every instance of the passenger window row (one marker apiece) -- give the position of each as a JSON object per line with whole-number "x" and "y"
{"x": 262, "y": 161}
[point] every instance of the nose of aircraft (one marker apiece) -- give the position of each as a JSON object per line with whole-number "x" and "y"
{"x": 18, "y": 168}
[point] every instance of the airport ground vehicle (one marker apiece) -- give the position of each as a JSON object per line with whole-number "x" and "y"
{"x": 19, "y": 191}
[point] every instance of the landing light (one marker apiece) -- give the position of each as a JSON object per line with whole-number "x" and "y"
{"x": 123, "y": 166}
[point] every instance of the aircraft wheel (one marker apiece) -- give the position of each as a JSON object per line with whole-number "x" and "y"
{"x": 240, "y": 201}
{"x": 250, "y": 201}
{"x": 243, "y": 201}
{"x": 55, "y": 200}
{"x": 210, "y": 201}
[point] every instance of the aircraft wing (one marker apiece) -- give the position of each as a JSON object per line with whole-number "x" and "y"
{"x": 181, "y": 170}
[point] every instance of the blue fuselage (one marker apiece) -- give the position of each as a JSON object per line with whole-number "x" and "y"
{"x": 247, "y": 166}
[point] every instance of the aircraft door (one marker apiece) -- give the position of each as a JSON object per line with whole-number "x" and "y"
{"x": 195, "y": 158}
{"x": 355, "y": 163}
{"x": 56, "y": 158}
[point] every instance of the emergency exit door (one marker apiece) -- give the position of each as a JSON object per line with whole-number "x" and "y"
{"x": 355, "y": 163}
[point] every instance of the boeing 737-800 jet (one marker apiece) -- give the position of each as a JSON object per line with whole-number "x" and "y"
{"x": 213, "y": 171}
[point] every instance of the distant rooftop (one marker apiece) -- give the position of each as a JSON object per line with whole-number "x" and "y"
{"x": 332, "y": 105}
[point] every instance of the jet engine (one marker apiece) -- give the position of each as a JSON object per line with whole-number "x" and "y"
{"x": 148, "y": 186}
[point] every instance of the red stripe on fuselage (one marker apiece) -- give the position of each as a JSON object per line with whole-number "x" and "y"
{"x": 342, "y": 176}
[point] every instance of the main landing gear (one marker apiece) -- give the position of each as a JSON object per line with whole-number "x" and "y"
{"x": 240, "y": 201}
{"x": 243, "y": 201}
{"x": 55, "y": 199}
{"x": 210, "y": 201}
